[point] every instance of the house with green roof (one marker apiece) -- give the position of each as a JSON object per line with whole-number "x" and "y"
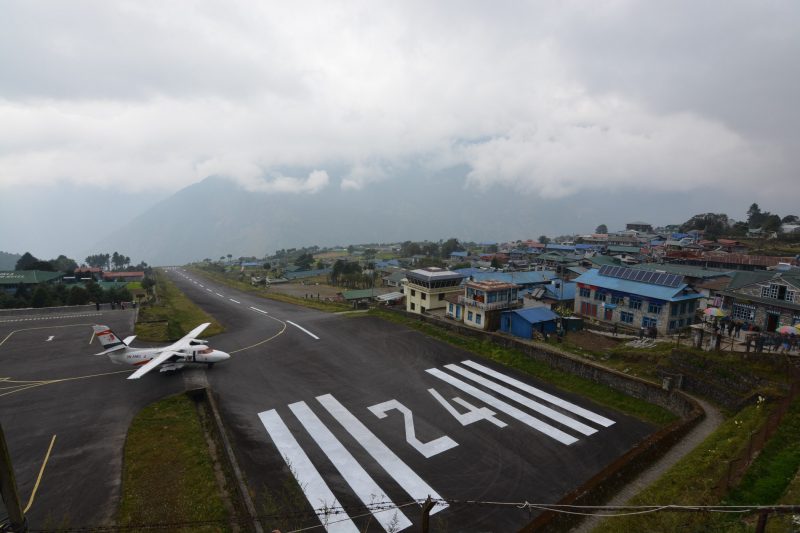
{"x": 10, "y": 280}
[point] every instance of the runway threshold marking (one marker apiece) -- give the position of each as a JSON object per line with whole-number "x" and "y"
{"x": 303, "y": 329}
{"x": 39, "y": 477}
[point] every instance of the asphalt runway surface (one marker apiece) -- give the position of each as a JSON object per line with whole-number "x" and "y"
{"x": 359, "y": 410}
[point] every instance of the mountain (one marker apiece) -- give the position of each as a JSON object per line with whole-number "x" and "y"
{"x": 216, "y": 217}
{"x": 8, "y": 261}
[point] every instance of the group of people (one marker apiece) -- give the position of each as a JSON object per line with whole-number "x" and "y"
{"x": 754, "y": 338}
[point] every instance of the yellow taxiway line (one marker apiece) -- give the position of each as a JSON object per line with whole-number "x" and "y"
{"x": 39, "y": 477}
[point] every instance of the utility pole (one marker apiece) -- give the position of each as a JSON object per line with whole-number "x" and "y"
{"x": 426, "y": 514}
{"x": 8, "y": 490}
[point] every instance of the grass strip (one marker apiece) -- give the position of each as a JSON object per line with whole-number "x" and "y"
{"x": 694, "y": 480}
{"x": 775, "y": 467}
{"x": 173, "y": 316}
{"x": 230, "y": 279}
{"x": 597, "y": 392}
{"x": 168, "y": 474}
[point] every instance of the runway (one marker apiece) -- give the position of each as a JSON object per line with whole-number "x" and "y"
{"x": 359, "y": 410}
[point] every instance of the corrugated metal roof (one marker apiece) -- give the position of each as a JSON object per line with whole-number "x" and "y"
{"x": 518, "y": 278}
{"x": 647, "y": 290}
{"x": 534, "y": 314}
{"x": 29, "y": 277}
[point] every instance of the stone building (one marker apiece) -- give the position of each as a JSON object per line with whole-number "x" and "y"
{"x": 767, "y": 299}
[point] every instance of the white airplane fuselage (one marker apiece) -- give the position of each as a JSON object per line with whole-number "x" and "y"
{"x": 195, "y": 355}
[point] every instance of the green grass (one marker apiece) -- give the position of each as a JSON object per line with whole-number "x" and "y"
{"x": 231, "y": 279}
{"x": 694, "y": 480}
{"x": 601, "y": 394}
{"x": 173, "y": 316}
{"x": 775, "y": 467}
{"x": 168, "y": 473}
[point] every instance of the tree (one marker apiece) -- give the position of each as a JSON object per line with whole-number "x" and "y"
{"x": 496, "y": 263}
{"x": 408, "y": 249}
{"x": 267, "y": 266}
{"x": 41, "y": 297}
{"x": 790, "y": 219}
{"x": 26, "y": 262}
{"x": 602, "y": 228}
{"x": 451, "y": 245}
{"x": 230, "y": 256}
{"x": 713, "y": 224}
{"x": 62, "y": 263}
{"x": 753, "y": 215}
{"x": 544, "y": 239}
{"x": 97, "y": 260}
{"x": 771, "y": 223}
{"x": 369, "y": 253}
{"x": 304, "y": 261}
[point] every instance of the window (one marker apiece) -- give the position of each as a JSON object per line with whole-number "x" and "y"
{"x": 477, "y": 318}
{"x": 635, "y": 303}
{"x": 671, "y": 325}
{"x": 683, "y": 308}
{"x": 654, "y": 308}
{"x": 585, "y": 293}
{"x": 600, "y": 296}
{"x": 588, "y": 309}
{"x": 413, "y": 292}
{"x": 441, "y": 296}
{"x": 413, "y": 306}
{"x": 743, "y": 312}
{"x": 450, "y": 307}
{"x": 626, "y": 317}
{"x": 423, "y": 296}
{"x": 790, "y": 296}
{"x": 649, "y": 322}
{"x": 775, "y": 291}
{"x": 682, "y": 322}
{"x": 469, "y": 315}
{"x": 673, "y": 310}
{"x": 617, "y": 300}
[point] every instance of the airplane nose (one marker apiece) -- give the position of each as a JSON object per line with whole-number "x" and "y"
{"x": 224, "y": 355}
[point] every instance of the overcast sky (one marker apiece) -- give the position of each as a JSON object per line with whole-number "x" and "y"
{"x": 556, "y": 100}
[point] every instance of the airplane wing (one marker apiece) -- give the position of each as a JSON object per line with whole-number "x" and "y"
{"x": 184, "y": 342}
{"x": 163, "y": 357}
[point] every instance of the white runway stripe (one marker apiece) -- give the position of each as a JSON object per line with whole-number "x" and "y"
{"x": 234, "y": 301}
{"x": 258, "y": 310}
{"x": 527, "y": 402}
{"x": 500, "y": 405}
{"x": 405, "y": 477}
{"x": 362, "y": 484}
{"x": 533, "y": 391}
{"x": 302, "y": 329}
{"x": 317, "y": 492}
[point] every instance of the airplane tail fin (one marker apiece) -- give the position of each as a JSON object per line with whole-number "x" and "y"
{"x": 107, "y": 338}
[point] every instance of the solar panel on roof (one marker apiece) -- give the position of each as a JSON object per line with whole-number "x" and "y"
{"x": 641, "y": 276}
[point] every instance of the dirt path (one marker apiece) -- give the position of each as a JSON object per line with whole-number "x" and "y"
{"x": 707, "y": 426}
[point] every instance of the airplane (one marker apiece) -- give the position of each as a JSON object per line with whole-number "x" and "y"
{"x": 188, "y": 350}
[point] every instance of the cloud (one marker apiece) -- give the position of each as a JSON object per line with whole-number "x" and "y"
{"x": 550, "y": 99}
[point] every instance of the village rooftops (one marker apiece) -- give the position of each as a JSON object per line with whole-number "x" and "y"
{"x": 491, "y": 285}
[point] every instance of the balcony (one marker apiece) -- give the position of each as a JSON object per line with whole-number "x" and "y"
{"x": 469, "y": 302}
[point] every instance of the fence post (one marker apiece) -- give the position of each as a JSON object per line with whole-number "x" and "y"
{"x": 761, "y": 527}
{"x": 426, "y": 514}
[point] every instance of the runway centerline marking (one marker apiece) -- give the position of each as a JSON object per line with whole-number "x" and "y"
{"x": 303, "y": 329}
{"x": 258, "y": 310}
{"x": 39, "y": 477}
{"x": 234, "y": 301}
{"x": 218, "y": 294}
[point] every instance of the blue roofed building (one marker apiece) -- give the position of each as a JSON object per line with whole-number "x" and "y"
{"x": 636, "y": 298}
{"x": 526, "y": 322}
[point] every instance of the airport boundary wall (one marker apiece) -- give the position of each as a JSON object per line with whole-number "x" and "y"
{"x": 606, "y": 483}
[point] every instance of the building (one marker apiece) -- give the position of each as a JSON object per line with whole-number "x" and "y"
{"x": 483, "y": 302}
{"x": 123, "y": 276}
{"x": 525, "y": 323}
{"x": 635, "y": 298}
{"x": 11, "y": 280}
{"x": 766, "y": 299}
{"x": 426, "y": 288}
